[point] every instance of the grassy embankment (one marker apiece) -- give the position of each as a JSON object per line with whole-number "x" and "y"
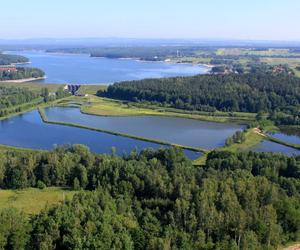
{"x": 33, "y": 200}
{"x": 251, "y": 140}
{"x": 109, "y": 107}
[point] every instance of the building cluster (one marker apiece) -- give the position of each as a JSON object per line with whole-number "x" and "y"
{"x": 9, "y": 68}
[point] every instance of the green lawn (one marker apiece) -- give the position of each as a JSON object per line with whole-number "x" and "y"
{"x": 252, "y": 139}
{"x": 33, "y": 200}
{"x": 34, "y": 86}
{"x": 109, "y": 107}
{"x": 297, "y": 72}
{"x": 91, "y": 89}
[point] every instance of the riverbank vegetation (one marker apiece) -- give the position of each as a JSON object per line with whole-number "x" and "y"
{"x": 155, "y": 199}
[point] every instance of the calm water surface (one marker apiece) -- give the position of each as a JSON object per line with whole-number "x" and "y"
{"x": 28, "y": 130}
{"x": 187, "y": 132}
{"x": 268, "y": 146}
{"x": 287, "y": 135}
{"x": 83, "y": 69}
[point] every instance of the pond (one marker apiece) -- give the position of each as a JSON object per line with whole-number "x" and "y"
{"x": 188, "y": 132}
{"x": 29, "y": 131}
{"x": 287, "y": 135}
{"x": 83, "y": 69}
{"x": 268, "y": 146}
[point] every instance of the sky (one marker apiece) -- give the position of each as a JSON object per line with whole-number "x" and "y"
{"x": 199, "y": 19}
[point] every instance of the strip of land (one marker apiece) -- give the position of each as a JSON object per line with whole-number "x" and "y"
{"x": 24, "y": 80}
{"x": 109, "y": 107}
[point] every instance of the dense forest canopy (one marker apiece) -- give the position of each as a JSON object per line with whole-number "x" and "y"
{"x": 155, "y": 200}
{"x": 13, "y": 99}
{"x": 10, "y": 59}
{"x": 251, "y": 92}
{"x": 12, "y": 96}
{"x": 21, "y": 73}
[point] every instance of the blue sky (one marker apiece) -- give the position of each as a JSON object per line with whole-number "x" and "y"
{"x": 211, "y": 19}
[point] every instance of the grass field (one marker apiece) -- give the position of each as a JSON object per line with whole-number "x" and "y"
{"x": 297, "y": 72}
{"x": 252, "y": 139}
{"x": 34, "y": 86}
{"x": 291, "y": 62}
{"x": 246, "y": 51}
{"x": 108, "y": 107}
{"x": 33, "y": 200}
{"x": 91, "y": 89}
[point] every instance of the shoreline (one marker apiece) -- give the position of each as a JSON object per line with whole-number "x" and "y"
{"x": 24, "y": 80}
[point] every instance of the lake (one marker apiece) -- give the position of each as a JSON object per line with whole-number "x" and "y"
{"x": 29, "y": 131}
{"x": 188, "y": 132}
{"x": 83, "y": 69}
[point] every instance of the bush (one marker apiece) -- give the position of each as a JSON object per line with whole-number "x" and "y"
{"x": 40, "y": 185}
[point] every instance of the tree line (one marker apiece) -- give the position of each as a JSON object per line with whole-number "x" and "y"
{"x": 14, "y": 99}
{"x": 242, "y": 93}
{"x": 12, "y": 96}
{"x": 154, "y": 200}
{"x": 260, "y": 90}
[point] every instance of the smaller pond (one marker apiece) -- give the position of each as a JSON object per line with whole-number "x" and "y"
{"x": 29, "y": 131}
{"x": 287, "y": 135}
{"x": 181, "y": 131}
{"x": 268, "y": 146}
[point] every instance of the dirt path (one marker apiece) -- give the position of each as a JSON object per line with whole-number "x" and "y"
{"x": 294, "y": 247}
{"x": 259, "y": 132}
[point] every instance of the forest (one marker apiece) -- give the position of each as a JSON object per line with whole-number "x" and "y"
{"x": 251, "y": 92}
{"x": 11, "y": 59}
{"x": 154, "y": 200}
{"x": 12, "y": 96}
{"x": 13, "y": 99}
{"x": 21, "y": 73}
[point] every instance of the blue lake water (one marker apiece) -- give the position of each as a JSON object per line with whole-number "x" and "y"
{"x": 288, "y": 136}
{"x": 83, "y": 69}
{"x": 188, "y": 132}
{"x": 28, "y": 130}
{"x": 268, "y": 146}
